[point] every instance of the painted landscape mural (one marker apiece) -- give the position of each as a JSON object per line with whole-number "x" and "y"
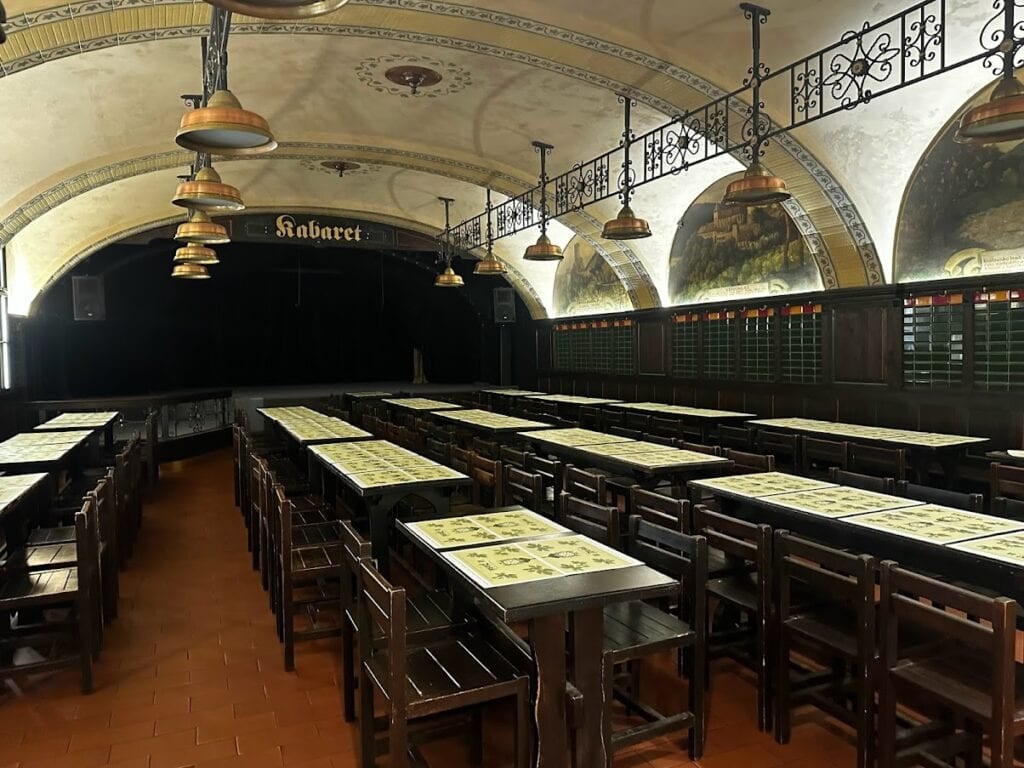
{"x": 730, "y": 251}
{"x": 585, "y": 283}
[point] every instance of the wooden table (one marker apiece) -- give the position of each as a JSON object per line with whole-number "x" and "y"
{"x": 568, "y": 406}
{"x": 928, "y": 537}
{"x": 520, "y": 567}
{"x": 419, "y": 404}
{"x": 488, "y": 422}
{"x": 503, "y": 398}
{"x": 308, "y": 427}
{"x": 73, "y": 421}
{"x": 14, "y": 491}
{"x": 1004, "y": 457}
{"x": 648, "y": 463}
{"x": 921, "y": 446}
{"x": 382, "y": 474}
{"x": 705, "y": 418}
{"x": 40, "y": 451}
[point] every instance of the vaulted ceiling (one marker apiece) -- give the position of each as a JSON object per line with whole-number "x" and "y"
{"x": 89, "y": 90}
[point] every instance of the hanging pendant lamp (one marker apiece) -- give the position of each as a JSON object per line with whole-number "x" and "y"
{"x": 206, "y": 192}
{"x": 280, "y": 9}
{"x": 448, "y": 277}
{"x": 543, "y": 249}
{"x": 200, "y": 229}
{"x": 758, "y": 186}
{"x": 1002, "y": 117}
{"x": 196, "y": 254}
{"x": 190, "y": 272}
{"x": 489, "y": 265}
{"x": 626, "y": 225}
{"x": 222, "y": 127}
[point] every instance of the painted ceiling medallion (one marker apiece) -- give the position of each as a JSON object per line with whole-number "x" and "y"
{"x": 412, "y": 77}
{"x": 342, "y": 168}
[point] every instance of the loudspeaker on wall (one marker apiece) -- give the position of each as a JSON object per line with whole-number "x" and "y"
{"x": 87, "y": 294}
{"x": 504, "y": 305}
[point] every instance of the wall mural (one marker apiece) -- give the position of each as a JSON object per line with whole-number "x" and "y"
{"x": 731, "y": 251}
{"x": 585, "y": 284}
{"x": 963, "y": 213}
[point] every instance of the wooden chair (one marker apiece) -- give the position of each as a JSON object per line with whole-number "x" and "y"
{"x": 744, "y": 589}
{"x": 664, "y": 427}
{"x": 632, "y": 434}
{"x": 551, "y": 471}
{"x": 592, "y": 519}
{"x": 825, "y": 615}
{"x": 436, "y": 450}
{"x": 660, "y": 440}
{"x": 1006, "y": 481}
{"x": 1009, "y": 508}
{"x": 711, "y": 450}
{"x": 785, "y": 447}
{"x": 880, "y": 462}
{"x": 659, "y": 509}
{"x": 487, "y": 449}
{"x": 749, "y": 462}
{"x": 59, "y": 643}
{"x": 972, "y": 502}
{"x": 741, "y": 438}
{"x": 612, "y": 417}
{"x": 461, "y": 460}
{"x": 522, "y": 487}
{"x": 425, "y": 681}
{"x": 638, "y": 422}
{"x": 487, "y": 481}
{"x": 967, "y": 673}
{"x": 864, "y": 482}
{"x": 582, "y": 484}
{"x": 637, "y": 629}
{"x": 817, "y": 456}
{"x": 590, "y": 417}
{"x": 513, "y": 457}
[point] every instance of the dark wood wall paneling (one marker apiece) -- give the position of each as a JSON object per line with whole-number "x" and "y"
{"x": 862, "y": 370}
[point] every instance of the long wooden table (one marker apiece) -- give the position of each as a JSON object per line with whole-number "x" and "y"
{"x": 40, "y": 451}
{"x": 648, "y": 463}
{"x": 705, "y": 418}
{"x": 568, "y": 406}
{"x": 308, "y": 427}
{"x": 419, "y": 404}
{"x": 381, "y": 474}
{"x": 503, "y": 399}
{"x": 921, "y": 447}
{"x": 73, "y": 421}
{"x": 487, "y": 422}
{"x": 520, "y": 567}
{"x": 965, "y": 546}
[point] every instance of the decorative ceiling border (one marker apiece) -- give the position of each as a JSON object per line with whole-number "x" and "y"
{"x": 844, "y": 207}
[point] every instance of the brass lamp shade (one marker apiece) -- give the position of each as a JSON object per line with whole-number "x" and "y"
{"x": 626, "y": 226}
{"x": 543, "y": 250}
{"x": 199, "y": 229}
{"x": 190, "y": 272}
{"x": 1000, "y": 119}
{"x": 196, "y": 254}
{"x": 448, "y": 279}
{"x": 280, "y": 9}
{"x": 208, "y": 193}
{"x": 757, "y": 187}
{"x": 224, "y": 128}
{"x": 489, "y": 265}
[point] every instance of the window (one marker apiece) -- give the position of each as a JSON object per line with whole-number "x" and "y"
{"x": 800, "y": 331}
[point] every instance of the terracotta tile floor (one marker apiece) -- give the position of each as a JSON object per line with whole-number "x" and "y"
{"x": 191, "y": 672}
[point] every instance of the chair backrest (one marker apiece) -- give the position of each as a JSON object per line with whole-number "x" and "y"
{"x": 818, "y": 456}
{"x": 383, "y": 606}
{"x": 785, "y": 447}
{"x": 460, "y": 459}
{"x": 972, "y": 502}
{"x": 663, "y": 427}
{"x": 595, "y": 520}
{"x": 632, "y": 434}
{"x": 85, "y": 545}
{"x": 945, "y": 612}
{"x": 355, "y": 548}
{"x": 1009, "y": 508}
{"x": 583, "y": 484}
{"x": 659, "y": 439}
{"x": 711, "y": 450}
{"x": 1006, "y": 481}
{"x": 513, "y": 457}
{"x": 736, "y": 437}
{"x": 747, "y": 462}
{"x": 878, "y": 461}
{"x": 437, "y": 451}
{"x": 678, "y": 555}
{"x": 823, "y": 575}
{"x": 748, "y": 543}
{"x": 104, "y": 497}
{"x": 612, "y": 417}
{"x": 659, "y": 509}
{"x": 486, "y": 476}
{"x": 864, "y": 482}
{"x": 488, "y": 449}
{"x": 590, "y": 417}
{"x": 641, "y": 422}
{"x": 522, "y": 487}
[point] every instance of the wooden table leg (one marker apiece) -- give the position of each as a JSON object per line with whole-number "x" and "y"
{"x": 592, "y": 748}
{"x": 547, "y": 639}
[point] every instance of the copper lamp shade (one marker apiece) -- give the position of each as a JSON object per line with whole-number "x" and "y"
{"x": 489, "y": 265}
{"x": 190, "y": 272}
{"x": 626, "y": 226}
{"x": 208, "y": 193}
{"x": 224, "y": 128}
{"x": 1000, "y": 119}
{"x": 543, "y": 250}
{"x": 196, "y": 254}
{"x": 200, "y": 229}
{"x": 280, "y": 9}
{"x": 757, "y": 187}
{"x": 448, "y": 279}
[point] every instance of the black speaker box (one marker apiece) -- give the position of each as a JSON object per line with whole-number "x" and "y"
{"x": 504, "y": 305}
{"x": 87, "y": 293}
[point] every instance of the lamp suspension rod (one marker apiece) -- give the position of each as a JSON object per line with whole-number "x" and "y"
{"x": 627, "y": 141}
{"x": 544, "y": 150}
{"x": 490, "y": 222}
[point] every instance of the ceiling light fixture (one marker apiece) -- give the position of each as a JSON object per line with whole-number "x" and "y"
{"x": 201, "y": 229}
{"x": 626, "y": 225}
{"x": 341, "y": 166}
{"x": 543, "y": 249}
{"x": 413, "y": 77}
{"x": 196, "y": 254}
{"x": 490, "y": 265}
{"x": 222, "y": 127}
{"x": 190, "y": 271}
{"x": 280, "y": 9}
{"x": 206, "y": 192}
{"x": 1001, "y": 118}
{"x": 758, "y": 186}
{"x": 448, "y": 277}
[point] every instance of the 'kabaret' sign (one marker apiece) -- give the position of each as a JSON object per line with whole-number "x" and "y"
{"x": 322, "y": 231}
